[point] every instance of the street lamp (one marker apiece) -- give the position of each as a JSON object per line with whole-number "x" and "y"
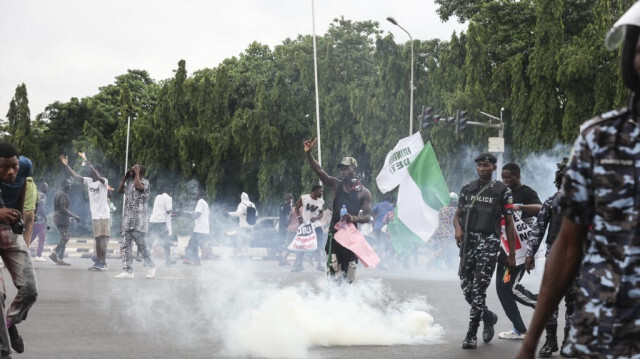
{"x": 315, "y": 73}
{"x": 393, "y": 21}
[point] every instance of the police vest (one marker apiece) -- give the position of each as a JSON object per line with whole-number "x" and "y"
{"x": 484, "y": 216}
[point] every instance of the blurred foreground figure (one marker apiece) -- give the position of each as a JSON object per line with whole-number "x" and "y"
{"x": 348, "y": 192}
{"x": 481, "y": 205}
{"x": 14, "y": 171}
{"x": 134, "y": 221}
{"x": 600, "y": 188}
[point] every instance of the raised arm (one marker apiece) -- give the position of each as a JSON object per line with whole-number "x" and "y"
{"x": 65, "y": 162}
{"x": 316, "y": 167}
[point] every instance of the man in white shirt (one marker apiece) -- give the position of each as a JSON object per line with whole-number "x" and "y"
{"x": 309, "y": 210}
{"x": 200, "y": 230}
{"x": 246, "y": 224}
{"x": 97, "y": 187}
{"x": 160, "y": 225}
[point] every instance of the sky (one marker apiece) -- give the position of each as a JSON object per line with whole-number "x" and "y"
{"x": 69, "y": 48}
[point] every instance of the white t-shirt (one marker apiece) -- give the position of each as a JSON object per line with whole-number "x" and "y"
{"x": 161, "y": 205}
{"x": 202, "y": 222}
{"x": 311, "y": 208}
{"x": 98, "y": 198}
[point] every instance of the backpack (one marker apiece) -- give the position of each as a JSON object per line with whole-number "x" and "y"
{"x": 252, "y": 215}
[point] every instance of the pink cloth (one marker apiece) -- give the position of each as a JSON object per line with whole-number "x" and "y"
{"x": 351, "y": 238}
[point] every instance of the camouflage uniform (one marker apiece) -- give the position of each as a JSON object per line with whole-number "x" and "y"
{"x": 481, "y": 253}
{"x": 544, "y": 221}
{"x": 600, "y": 188}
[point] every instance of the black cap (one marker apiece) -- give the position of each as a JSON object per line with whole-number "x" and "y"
{"x": 486, "y": 157}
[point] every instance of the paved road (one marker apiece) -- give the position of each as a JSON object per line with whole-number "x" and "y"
{"x": 250, "y": 308}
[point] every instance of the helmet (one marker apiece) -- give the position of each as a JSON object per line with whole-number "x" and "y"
{"x": 626, "y": 30}
{"x": 616, "y": 34}
{"x": 453, "y": 196}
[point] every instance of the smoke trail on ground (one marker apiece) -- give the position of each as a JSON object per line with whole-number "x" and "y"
{"x": 253, "y": 317}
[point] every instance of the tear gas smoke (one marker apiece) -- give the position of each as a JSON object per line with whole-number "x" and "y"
{"x": 252, "y": 317}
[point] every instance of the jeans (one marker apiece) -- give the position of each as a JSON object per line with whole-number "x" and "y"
{"x": 127, "y": 257}
{"x": 16, "y": 258}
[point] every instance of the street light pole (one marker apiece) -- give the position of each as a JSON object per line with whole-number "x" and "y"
{"x": 315, "y": 73}
{"x": 126, "y": 158}
{"x": 393, "y": 21}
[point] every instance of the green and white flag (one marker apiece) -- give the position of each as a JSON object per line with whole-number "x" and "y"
{"x": 397, "y": 162}
{"x": 422, "y": 193}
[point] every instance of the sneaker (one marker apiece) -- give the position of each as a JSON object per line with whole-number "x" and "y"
{"x": 54, "y": 257}
{"x": 512, "y": 334}
{"x": 169, "y": 263}
{"x": 62, "y": 263}
{"x": 124, "y": 275}
{"x": 16, "y": 340}
{"x": 98, "y": 267}
{"x": 297, "y": 269}
{"x": 39, "y": 259}
{"x": 94, "y": 259}
{"x": 151, "y": 272}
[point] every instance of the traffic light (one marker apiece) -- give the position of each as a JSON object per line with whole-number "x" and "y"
{"x": 426, "y": 118}
{"x": 450, "y": 120}
{"x": 461, "y": 121}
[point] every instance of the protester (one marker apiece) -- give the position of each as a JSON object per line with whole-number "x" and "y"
{"x": 378, "y": 212}
{"x": 292, "y": 228}
{"x": 200, "y": 229}
{"x": 97, "y": 189}
{"x": 348, "y": 192}
{"x": 309, "y": 210}
{"x": 40, "y": 225}
{"x": 443, "y": 240}
{"x": 14, "y": 170}
{"x": 62, "y": 218}
{"x": 134, "y": 221}
{"x": 477, "y": 222}
{"x": 28, "y": 215}
{"x": 549, "y": 221}
{"x": 283, "y": 222}
{"x": 600, "y": 189}
{"x": 247, "y": 214}
{"x": 509, "y": 288}
{"x": 160, "y": 225}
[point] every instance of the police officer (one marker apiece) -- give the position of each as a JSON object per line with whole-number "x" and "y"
{"x": 600, "y": 188}
{"x": 549, "y": 221}
{"x": 481, "y": 205}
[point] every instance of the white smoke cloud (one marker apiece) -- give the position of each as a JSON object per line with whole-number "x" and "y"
{"x": 258, "y": 318}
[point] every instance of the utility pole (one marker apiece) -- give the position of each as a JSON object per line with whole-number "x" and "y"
{"x": 496, "y": 144}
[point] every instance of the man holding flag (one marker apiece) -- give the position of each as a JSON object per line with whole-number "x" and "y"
{"x": 481, "y": 205}
{"x": 349, "y": 192}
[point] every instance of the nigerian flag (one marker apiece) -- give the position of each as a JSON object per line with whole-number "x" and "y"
{"x": 422, "y": 193}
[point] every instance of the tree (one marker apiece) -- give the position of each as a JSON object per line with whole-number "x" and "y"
{"x": 19, "y": 118}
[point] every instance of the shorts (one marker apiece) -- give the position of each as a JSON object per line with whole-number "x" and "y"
{"x": 101, "y": 227}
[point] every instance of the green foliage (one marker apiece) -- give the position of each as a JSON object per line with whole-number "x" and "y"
{"x": 240, "y": 126}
